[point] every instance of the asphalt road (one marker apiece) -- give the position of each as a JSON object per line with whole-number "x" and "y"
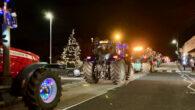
{"x": 156, "y": 91}
{"x": 76, "y": 92}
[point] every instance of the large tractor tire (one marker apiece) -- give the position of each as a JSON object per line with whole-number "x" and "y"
{"x": 89, "y": 74}
{"x": 43, "y": 90}
{"x": 117, "y": 71}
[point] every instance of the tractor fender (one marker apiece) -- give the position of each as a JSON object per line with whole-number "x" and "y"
{"x": 19, "y": 83}
{"x": 28, "y": 71}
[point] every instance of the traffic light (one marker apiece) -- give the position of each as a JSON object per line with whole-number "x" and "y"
{"x": 3, "y": 39}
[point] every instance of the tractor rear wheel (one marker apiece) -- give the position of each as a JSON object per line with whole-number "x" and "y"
{"x": 90, "y": 74}
{"x": 117, "y": 72}
{"x": 43, "y": 90}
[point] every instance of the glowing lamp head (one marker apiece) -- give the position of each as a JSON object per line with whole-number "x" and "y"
{"x": 117, "y": 37}
{"x": 49, "y": 15}
{"x": 174, "y": 41}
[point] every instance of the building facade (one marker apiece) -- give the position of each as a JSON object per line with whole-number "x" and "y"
{"x": 189, "y": 47}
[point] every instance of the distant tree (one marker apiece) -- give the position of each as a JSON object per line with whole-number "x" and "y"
{"x": 71, "y": 54}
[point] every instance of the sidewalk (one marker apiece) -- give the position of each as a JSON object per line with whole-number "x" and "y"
{"x": 187, "y": 69}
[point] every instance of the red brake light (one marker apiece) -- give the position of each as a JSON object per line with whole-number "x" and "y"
{"x": 88, "y": 58}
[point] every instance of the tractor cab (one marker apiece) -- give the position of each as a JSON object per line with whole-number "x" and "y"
{"x": 104, "y": 47}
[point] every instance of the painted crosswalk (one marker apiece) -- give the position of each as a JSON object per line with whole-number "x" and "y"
{"x": 170, "y": 71}
{"x": 170, "y": 68}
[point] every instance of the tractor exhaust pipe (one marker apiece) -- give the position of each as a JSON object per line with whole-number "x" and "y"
{"x": 5, "y": 77}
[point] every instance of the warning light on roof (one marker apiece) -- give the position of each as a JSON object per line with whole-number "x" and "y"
{"x": 138, "y": 48}
{"x": 1, "y": 12}
{"x": 7, "y": 0}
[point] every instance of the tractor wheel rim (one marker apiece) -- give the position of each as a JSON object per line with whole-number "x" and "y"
{"x": 48, "y": 90}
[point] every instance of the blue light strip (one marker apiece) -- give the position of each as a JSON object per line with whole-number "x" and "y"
{"x": 1, "y": 13}
{"x": 121, "y": 48}
{"x": 7, "y": 1}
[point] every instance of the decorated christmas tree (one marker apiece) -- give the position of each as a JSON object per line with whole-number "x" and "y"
{"x": 71, "y": 54}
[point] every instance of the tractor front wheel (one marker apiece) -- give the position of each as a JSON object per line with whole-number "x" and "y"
{"x": 43, "y": 90}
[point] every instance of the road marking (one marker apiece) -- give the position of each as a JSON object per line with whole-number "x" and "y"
{"x": 88, "y": 99}
{"x": 188, "y": 79}
{"x": 71, "y": 78}
{"x": 160, "y": 71}
{"x": 134, "y": 78}
{"x": 177, "y": 71}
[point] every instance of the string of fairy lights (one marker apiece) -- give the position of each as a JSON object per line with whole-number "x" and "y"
{"x": 9, "y": 17}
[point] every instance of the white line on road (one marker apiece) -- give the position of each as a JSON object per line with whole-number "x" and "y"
{"x": 134, "y": 78}
{"x": 87, "y": 99}
{"x": 188, "y": 79}
{"x": 71, "y": 78}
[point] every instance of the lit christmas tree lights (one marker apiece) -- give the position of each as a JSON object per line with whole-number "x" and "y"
{"x": 71, "y": 54}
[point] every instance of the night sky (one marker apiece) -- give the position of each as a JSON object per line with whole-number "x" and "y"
{"x": 151, "y": 23}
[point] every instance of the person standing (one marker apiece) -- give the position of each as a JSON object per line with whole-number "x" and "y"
{"x": 192, "y": 64}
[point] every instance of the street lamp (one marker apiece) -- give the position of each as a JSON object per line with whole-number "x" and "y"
{"x": 117, "y": 37}
{"x": 50, "y": 17}
{"x": 174, "y": 41}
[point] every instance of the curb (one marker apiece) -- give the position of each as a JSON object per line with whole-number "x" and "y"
{"x": 166, "y": 71}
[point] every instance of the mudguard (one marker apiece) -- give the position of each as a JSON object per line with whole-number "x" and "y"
{"x": 19, "y": 83}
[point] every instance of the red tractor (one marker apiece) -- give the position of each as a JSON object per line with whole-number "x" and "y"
{"x": 37, "y": 82}
{"x": 21, "y": 73}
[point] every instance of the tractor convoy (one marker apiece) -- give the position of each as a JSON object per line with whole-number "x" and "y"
{"x": 22, "y": 75}
{"x": 38, "y": 83}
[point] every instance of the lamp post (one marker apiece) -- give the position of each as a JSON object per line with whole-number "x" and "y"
{"x": 50, "y": 17}
{"x": 174, "y": 41}
{"x": 117, "y": 37}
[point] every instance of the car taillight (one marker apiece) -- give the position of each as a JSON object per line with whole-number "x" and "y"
{"x": 115, "y": 57}
{"x": 88, "y": 58}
